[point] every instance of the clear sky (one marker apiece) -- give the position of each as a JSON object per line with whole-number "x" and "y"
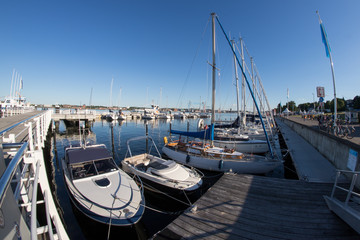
{"x": 157, "y": 51}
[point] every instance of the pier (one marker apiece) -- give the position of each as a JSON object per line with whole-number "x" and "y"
{"x": 27, "y": 208}
{"x": 258, "y": 207}
{"x": 72, "y": 118}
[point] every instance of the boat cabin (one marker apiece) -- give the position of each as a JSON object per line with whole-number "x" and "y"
{"x": 87, "y": 162}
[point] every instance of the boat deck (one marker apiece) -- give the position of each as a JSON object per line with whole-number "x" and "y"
{"x": 310, "y": 165}
{"x": 256, "y": 207}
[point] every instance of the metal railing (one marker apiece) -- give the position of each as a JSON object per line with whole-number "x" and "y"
{"x": 7, "y": 112}
{"x": 349, "y": 191}
{"x": 26, "y": 171}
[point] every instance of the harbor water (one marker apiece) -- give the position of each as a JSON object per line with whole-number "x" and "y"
{"x": 161, "y": 209}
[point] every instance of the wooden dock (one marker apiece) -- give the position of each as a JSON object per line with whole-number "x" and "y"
{"x": 256, "y": 207}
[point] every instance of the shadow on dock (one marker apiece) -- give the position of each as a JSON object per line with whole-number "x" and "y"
{"x": 257, "y": 207}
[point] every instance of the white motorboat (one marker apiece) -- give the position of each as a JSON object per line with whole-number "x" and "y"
{"x": 164, "y": 175}
{"x": 162, "y": 115}
{"x": 111, "y": 116}
{"x": 99, "y": 189}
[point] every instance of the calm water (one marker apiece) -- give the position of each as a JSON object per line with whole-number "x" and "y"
{"x": 114, "y": 135}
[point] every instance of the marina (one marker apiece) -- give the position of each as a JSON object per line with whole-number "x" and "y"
{"x": 230, "y": 166}
{"x": 235, "y": 206}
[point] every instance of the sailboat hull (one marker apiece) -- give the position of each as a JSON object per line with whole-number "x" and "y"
{"x": 248, "y": 164}
{"x": 250, "y": 146}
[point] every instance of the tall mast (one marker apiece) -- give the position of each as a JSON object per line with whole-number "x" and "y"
{"x": 253, "y": 82}
{"x": 12, "y": 82}
{"x": 213, "y": 70}
{"x": 243, "y": 89}
{"x": 111, "y": 86}
{"x": 90, "y": 96}
{"x": 237, "y": 86}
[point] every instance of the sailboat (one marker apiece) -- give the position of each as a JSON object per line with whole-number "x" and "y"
{"x": 231, "y": 136}
{"x": 204, "y": 155}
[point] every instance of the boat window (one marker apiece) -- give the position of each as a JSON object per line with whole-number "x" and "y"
{"x": 106, "y": 165}
{"x": 158, "y": 165}
{"x": 83, "y": 170}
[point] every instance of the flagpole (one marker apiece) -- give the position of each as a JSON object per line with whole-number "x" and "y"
{"x": 332, "y": 66}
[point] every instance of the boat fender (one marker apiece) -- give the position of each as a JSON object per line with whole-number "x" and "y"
{"x": 187, "y": 158}
{"x": 221, "y": 163}
{"x": 165, "y": 140}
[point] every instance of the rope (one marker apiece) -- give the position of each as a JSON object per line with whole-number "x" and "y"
{"x": 192, "y": 64}
{"x": 112, "y": 206}
{"x": 158, "y": 191}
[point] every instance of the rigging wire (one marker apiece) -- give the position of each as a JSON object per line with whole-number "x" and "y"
{"x": 192, "y": 64}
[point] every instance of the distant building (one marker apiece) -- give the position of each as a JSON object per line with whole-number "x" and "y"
{"x": 349, "y": 104}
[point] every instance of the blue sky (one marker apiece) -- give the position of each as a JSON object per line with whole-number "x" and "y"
{"x": 63, "y": 49}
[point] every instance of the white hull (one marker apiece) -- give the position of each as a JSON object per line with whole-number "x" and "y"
{"x": 248, "y": 164}
{"x": 118, "y": 200}
{"x": 250, "y": 146}
{"x": 175, "y": 176}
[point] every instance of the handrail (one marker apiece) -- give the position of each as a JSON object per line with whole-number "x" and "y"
{"x": 34, "y": 203}
{"x": 29, "y": 153}
{"x": 351, "y": 187}
{"x": 11, "y": 127}
{"x": 10, "y": 171}
{"x": 48, "y": 220}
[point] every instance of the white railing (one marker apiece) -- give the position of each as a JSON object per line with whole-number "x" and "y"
{"x": 350, "y": 191}
{"x": 7, "y": 112}
{"x": 26, "y": 170}
{"x": 75, "y": 111}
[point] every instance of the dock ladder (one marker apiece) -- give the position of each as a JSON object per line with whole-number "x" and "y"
{"x": 347, "y": 207}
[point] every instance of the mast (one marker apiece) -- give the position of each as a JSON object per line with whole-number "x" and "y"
{"x": 12, "y": 82}
{"x": 251, "y": 92}
{"x": 90, "y": 96}
{"x": 243, "y": 89}
{"x": 237, "y": 86}
{"x": 111, "y": 86}
{"x": 213, "y": 70}
{"x": 253, "y": 82}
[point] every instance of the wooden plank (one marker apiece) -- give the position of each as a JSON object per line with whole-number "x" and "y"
{"x": 256, "y": 207}
{"x": 266, "y": 214}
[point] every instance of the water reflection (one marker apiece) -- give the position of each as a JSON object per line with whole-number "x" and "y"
{"x": 114, "y": 135}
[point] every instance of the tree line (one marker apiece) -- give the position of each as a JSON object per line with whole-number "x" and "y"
{"x": 329, "y": 105}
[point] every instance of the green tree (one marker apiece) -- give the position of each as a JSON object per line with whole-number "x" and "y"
{"x": 328, "y": 105}
{"x": 292, "y": 106}
{"x": 340, "y": 105}
{"x": 305, "y": 106}
{"x": 356, "y": 102}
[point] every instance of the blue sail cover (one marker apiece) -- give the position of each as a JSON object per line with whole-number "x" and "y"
{"x": 205, "y": 134}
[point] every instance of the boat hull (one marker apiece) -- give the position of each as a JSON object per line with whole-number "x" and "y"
{"x": 247, "y": 146}
{"x": 158, "y": 188}
{"x": 110, "y": 198}
{"x": 254, "y": 166}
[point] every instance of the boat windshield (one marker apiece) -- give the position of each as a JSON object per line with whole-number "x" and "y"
{"x": 92, "y": 168}
{"x": 105, "y": 165}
